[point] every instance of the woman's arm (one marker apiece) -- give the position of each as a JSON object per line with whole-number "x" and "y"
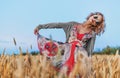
{"x": 65, "y": 26}
{"x": 53, "y": 25}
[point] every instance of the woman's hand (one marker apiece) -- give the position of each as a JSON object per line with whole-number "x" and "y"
{"x": 36, "y": 31}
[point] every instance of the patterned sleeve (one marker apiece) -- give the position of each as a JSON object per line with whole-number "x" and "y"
{"x": 90, "y": 44}
{"x": 54, "y": 25}
{"x": 65, "y": 26}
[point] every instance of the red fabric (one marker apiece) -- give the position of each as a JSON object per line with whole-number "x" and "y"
{"x": 80, "y": 36}
{"x": 51, "y": 48}
{"x": 70, "y": 62}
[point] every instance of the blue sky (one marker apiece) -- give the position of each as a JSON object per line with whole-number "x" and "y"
{"x": 19, "y": 18}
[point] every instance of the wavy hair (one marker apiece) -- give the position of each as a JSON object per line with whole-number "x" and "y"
{"x": 100, "y": 28}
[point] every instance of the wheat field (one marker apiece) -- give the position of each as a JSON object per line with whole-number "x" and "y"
{"x": 37, "y": 66}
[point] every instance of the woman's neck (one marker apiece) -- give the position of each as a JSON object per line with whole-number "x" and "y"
{"x": 88, "y": 26}
{"x": 83, "y": 28}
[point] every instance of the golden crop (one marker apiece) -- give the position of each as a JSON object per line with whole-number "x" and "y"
{"x": 37, "y": 66}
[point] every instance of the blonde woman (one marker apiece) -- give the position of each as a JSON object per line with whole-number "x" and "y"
{"x": 77, "y": 35}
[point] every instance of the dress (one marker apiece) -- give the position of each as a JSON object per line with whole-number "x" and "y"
{"x": 68, "y": 27}
{"x": 50, "y": 48}
{"x": 76, "y": 40}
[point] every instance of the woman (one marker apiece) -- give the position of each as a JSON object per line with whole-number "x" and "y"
{"x": 78, "y": 35}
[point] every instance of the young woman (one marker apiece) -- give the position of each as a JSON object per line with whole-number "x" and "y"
{"x": 77, "y": 35}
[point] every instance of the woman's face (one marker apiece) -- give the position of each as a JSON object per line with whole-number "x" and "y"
{"x": 95, "y": 19}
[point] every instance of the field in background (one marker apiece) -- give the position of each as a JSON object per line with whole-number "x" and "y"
{"x": 106, "y": 66}
{"x": 37, "y": 66}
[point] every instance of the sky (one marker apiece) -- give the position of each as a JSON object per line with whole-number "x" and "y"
{"x": 18, "y": 18}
